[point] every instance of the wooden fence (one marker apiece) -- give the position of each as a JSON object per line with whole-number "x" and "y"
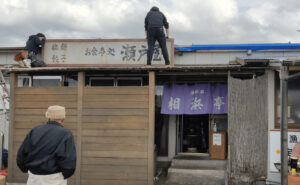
{"x": 113, "y": 128}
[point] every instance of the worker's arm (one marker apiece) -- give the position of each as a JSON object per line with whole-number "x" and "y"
{"x": 166, "y": 25}
{"x": 146, "y": 24}
{"x": 146, "y": 34}
{"x": 167, "y": 32}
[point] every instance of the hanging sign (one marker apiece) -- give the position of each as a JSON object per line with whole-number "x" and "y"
{"x": 195, "y": 99}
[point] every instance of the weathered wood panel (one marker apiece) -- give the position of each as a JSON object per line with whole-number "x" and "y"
{"x": 115, "y": 91}
{"x": 46, "y": 90}
{"x": 112, "y": 182}
{"x": 247, "y": 129}
{"x": 29, "y": 111}
{"x": 116, "y": 140}
{"x": 122, "y": 125}
{"x": 115, "y": 112}
{"x": 44, "y": 104}
{"x": 115, "y": 161}
{"x": 118, "y": 105}
{"x": 44, "y": 97}
{"x": 115, "y": 135}
{"x": 119, "y": 98}
{"x": 69, "y": 112}
{"x": 11, "y": 160}
{"x": 110, "y": 128}
{"x": 114, "y": 119}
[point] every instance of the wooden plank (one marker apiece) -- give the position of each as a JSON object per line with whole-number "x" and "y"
{"x": 115, "y": 140}
{"x": 46, "y": 90}
{"x": 151, "y": 128}
{"x": 114, "y": 161}
{"x": 117, "y": 133}
{"x": 114, "y": 90}
{"x": 114, "y": 147}
{"x": 45, "y": 97}
{"x": 40, "y": 119}
{"x": 119, "y": 154}
{"x": 112, "y": 182}
{"x": 11, "y": 160}
{"x": 124, "y": 105}
{"x": 41, "y": 112}
{"x": 114, "y": 169}
{"x": 30, "y": 125}
{"x": 45, "y": 104}
{"x": 129, "y": 125}
{"x": 81, "y": 84}
{"x": 116, "y": 98}
{"x": 114, "y": 119}
{"x": 72, "y": 180}
{"x": 116, "y": 176}
{"x": 19, "y": 176}
{"x": 115, "y": 112}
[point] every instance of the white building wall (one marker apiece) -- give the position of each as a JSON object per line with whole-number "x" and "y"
{"x": 225, "y": 57}
{"x": 7, "y": 58}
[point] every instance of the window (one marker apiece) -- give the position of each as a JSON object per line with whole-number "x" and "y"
{"x": 122, "y": 81}
{"x": 46, "y": 81}
{"x": 293, "y": 102}
{"x": 116, "y": 81}
{"x": 101, "y": 81}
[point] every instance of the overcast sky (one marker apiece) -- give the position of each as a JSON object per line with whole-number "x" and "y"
{"x": 191, "y": 21}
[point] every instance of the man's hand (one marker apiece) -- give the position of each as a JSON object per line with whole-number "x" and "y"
{"x": 167, "y": 33}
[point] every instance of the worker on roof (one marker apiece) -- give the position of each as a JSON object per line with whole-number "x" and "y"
{"x": 31, "y": 51}
{"x": 48, "y": 152}
{"x": 34, "y": 47}
{"x": 155, "y": 22}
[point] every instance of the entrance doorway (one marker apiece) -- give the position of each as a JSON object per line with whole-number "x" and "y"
{"x": 193, "y": 134}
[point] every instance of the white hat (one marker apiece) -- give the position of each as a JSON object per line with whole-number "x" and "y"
{"x": 56, "y": 112}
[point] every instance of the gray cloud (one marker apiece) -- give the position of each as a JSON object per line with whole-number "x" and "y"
{"x": 191, "y": 22}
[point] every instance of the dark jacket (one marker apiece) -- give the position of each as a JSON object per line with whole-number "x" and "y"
{"x": 155, "y": 18}
{"x": 48, "y": 149}
{"x": 34, "y": 44}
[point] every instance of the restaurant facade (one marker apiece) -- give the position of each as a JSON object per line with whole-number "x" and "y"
{"x": 219, "y": 101}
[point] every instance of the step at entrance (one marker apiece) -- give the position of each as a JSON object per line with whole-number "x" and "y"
{"x": 196, "y": 170}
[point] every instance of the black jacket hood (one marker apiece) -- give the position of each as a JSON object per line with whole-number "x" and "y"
{"x": 154, "y": 8}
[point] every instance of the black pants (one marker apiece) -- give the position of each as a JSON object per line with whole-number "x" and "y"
{"x": 35, "y": 62}
{"x": 157, "y": 34}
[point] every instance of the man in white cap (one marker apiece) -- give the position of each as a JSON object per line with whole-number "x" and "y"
{"x": 48, "y": 152}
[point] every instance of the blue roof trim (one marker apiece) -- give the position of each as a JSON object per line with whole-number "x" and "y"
{"x": 253, "y": 47}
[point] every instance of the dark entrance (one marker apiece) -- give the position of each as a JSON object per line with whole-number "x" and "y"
{"x": 193, "y": 133}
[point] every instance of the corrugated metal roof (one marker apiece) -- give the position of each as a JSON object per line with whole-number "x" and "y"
{"x": 253, "y": 47}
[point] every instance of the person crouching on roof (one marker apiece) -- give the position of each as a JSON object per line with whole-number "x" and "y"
{"x": 31, "y": 51}
{"x": 48, "y": 152}
{"x": 34, "y": 47}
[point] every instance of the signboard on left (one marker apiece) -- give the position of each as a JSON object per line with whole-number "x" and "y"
{"x": 102, "y": 51}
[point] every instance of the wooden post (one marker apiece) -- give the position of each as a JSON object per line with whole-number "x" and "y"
{"x": 81, "y": 84}
{"x": 11, "y": 159}
{"x": 283, "y": 124}
{"x": 151, "y": 127}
